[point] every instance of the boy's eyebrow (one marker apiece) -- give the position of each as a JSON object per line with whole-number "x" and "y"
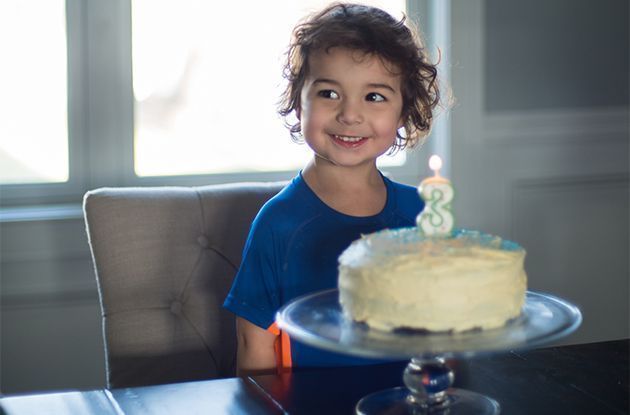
{"x": 325, "y": 81}
{"x": 371, "y": 85}
{"x": 383, "y": 86}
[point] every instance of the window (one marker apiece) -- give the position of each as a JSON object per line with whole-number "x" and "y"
{"x": 33, "y": 128}
{"x": 206, "y": 87}
{"x": 146, "y": 92}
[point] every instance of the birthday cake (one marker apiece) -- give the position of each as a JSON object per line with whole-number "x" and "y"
{"x": 404, "y": 279}
{"x": 431, "y": 277}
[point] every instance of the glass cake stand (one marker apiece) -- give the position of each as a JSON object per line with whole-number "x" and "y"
{"x": 317, "y": 320}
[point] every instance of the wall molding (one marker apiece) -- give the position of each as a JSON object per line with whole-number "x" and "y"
{"x": 571, "y": 182}
{"x": 575, "y": 124}
{"x": 56, "y": 299}
{"x": 519, "y": 188}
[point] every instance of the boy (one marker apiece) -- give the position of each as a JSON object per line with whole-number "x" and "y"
{"x": 357, "y": 77}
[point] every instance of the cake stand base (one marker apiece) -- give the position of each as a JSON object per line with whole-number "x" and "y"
{"x": 396, "y": 402}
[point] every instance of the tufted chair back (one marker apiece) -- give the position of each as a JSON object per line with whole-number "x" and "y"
{"x": 164, "y": 259}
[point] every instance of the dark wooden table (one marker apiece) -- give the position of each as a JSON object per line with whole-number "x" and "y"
{"x": 580, "y": 379}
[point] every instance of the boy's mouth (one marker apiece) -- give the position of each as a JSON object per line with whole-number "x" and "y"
{"x": 348, "y": 141}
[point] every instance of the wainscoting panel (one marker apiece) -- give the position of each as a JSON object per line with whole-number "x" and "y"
{"x": 50, "y": 320}
{"x": 576, "y": 235}
{"x": 52, "y": 346}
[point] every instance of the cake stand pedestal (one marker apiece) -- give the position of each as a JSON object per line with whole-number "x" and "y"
{"x": 317, "y": 320}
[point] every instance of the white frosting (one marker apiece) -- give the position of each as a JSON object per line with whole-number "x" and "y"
{"x": 399, "y": 278}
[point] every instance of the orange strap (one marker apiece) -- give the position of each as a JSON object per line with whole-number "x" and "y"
{"x": 282, "y": 348}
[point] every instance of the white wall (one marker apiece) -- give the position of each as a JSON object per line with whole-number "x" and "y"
{"x": 540, "y": 144}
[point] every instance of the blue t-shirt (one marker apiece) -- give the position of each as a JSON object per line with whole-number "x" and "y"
{"x": 292, "y": 250}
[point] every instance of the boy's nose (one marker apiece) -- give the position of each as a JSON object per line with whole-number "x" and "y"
{"x": 350, "y": 113}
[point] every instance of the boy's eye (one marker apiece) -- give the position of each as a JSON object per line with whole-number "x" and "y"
{"x": 328, "y": 93}
{"x": 375, "y": 97}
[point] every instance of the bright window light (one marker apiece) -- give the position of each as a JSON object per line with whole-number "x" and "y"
{"x": 33, "y": 85}
{"x": 206, "y": 80}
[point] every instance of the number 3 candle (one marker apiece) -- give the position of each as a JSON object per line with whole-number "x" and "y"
{"x": 437, "y": 192}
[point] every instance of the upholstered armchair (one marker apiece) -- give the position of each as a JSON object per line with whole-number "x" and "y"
{"x": 164, "y": 259}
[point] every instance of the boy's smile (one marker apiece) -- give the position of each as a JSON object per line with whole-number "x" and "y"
{"x": 350, "y": 106}
{"x": 349, "y": 142}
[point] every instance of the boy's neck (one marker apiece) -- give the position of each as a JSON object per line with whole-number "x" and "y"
{"x": 355, "y": 191}
{"x": 329, "y": 177}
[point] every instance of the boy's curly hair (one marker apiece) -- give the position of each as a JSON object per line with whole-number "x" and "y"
{"x": 372, "y": 31}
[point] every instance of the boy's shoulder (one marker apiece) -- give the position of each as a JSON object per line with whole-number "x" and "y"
{"x": 404, "y": 191}
{"x": 287, "y": 198}
{"x": 405, "y": 188}
{"x": 406, "y": 199}
{"x": 291, "y": 205}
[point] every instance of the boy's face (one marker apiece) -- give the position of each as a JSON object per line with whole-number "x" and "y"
{"x": 350, "y": 107}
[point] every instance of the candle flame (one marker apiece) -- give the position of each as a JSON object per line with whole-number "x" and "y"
{"x": 435, "y": 163}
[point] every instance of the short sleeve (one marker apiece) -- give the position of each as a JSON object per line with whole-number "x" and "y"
{"x": 254, "y": 292}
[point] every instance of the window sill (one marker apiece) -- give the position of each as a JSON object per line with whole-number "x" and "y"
{"x": 41, "y": 213}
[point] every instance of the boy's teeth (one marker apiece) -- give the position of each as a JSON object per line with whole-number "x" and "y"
{"x": 348, "y": 139}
